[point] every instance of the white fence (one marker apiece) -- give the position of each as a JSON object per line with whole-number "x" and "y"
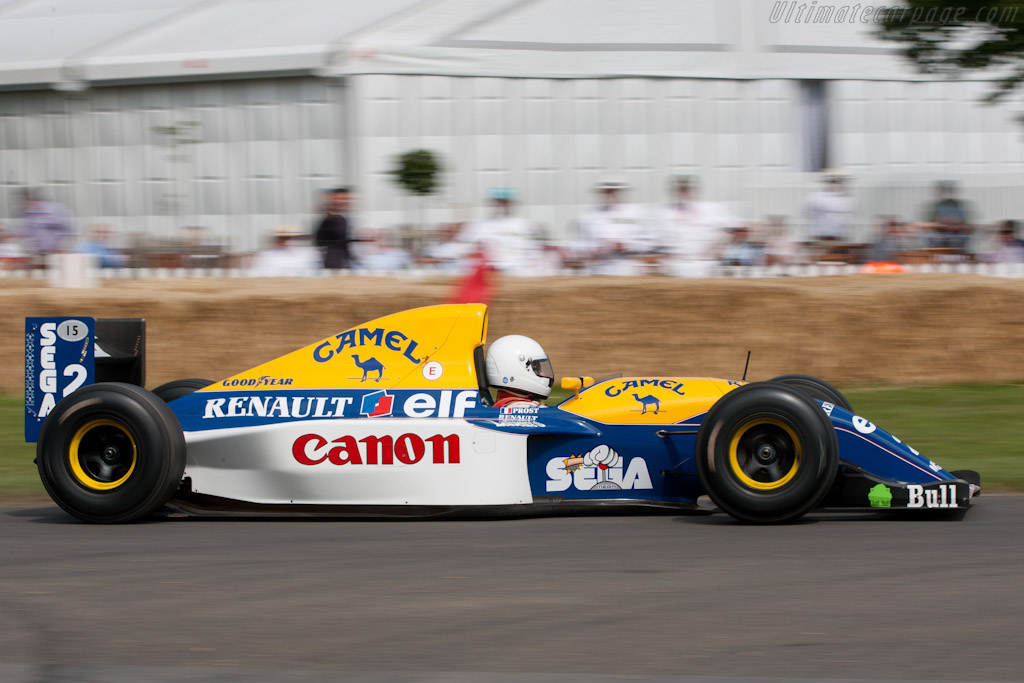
{"x": 1002, "y": 270}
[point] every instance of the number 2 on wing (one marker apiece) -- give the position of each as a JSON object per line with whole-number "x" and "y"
{"x": 80, "y": 374}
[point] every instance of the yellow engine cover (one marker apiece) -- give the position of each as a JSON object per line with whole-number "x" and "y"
{"x": 424, "y": 348}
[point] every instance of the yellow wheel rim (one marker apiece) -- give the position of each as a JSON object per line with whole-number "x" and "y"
{"x": 102, "y": 454}
{"x": 765, "y": 454}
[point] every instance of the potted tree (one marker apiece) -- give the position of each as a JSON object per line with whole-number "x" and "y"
{"x": 418, "y": 173}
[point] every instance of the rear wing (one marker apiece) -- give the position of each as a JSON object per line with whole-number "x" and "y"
{"x": 65, "y": 354}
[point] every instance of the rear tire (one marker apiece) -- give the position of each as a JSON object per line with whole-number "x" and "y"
{"x": 180, "y": 387}
{"x": 111, "y": 453}
{"x": 815, "y": 388}
{"x": 766, "y": 453}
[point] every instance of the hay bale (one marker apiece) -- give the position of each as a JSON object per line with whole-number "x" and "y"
{"x": 854, "y": 330}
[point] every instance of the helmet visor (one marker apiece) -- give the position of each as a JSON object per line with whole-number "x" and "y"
{"x": 542, "y": 368}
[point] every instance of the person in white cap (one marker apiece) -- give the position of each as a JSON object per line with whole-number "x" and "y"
{"x": 287, "y": 256}
{"x": 692, "y": 233}
{"x": 615, "y": 234}
{"x": 511, "y": 244}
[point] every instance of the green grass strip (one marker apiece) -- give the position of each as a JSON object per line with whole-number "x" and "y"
{"x": 973, "y": 426}
{"x": 18, "y": 476}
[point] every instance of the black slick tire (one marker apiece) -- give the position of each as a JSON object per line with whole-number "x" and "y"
{"x": 111, "y": 453}
{"x": 766, "y": 453}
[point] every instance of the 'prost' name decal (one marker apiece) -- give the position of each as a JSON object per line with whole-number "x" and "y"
{"x": 392, "y": 339}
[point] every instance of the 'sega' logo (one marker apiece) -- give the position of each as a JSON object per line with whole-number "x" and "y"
{"x": 600, "y": 469}
{"x": 48, "y": 333}
{"x": 392, "y": 339}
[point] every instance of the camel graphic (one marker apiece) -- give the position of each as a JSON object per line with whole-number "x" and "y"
{"x": 648, "y": 400}
{"x": 370, "y": 365}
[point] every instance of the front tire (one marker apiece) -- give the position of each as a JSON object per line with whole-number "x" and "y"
{"x": 111, "y": 453}
{"x": 766, "y": 453}
{"x": 815, "y": 388}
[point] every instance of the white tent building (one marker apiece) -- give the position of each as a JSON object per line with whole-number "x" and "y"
{"x": 231, "y": 114}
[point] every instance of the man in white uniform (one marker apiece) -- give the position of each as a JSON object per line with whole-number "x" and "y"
{"x": 692, "y": 233}
{"x": 615, "y": 234}
{"x": 829, "y": 212}
{"x": 512, "y": 244}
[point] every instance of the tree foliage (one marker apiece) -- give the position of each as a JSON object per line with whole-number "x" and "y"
{"x": 962, "y": 35}
{"x": 418, "y": 171}
{"x": 952, "y": 37}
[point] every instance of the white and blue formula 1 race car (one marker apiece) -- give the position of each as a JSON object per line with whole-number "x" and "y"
{"x": 394, "y": 418}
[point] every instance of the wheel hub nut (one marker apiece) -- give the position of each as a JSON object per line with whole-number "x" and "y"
{"x": 766, "y": 454}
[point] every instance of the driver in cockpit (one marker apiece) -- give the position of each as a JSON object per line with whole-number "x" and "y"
{"x": 519, "y": 369}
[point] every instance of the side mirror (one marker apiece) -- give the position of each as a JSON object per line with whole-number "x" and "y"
{"x": 577, "y": 383}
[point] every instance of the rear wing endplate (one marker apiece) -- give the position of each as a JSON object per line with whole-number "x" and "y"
{"x": 65, "y": 354}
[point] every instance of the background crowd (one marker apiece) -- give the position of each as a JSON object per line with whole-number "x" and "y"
{"x": 687, "y": 236}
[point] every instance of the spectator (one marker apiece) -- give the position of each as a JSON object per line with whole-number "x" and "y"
{"x": 511, "y": 244}
{"x": 948, "y": 218}
{"x": 615, "y": 234}
{"x": 780, "y": 249}
{"x": 287, "y": 255}
{"x": 45, "y": 226}
{"x": 893, "y": 241}
{"x": 829, "y": 213}
{"x": 448, "y": 253}
{"x": 377, "y": 255}
{"x": 1013, "y": 227}
{"x": 691, "y": 232}
{"x": 99, "y": 245}
{"x": 333, "y": 234}
{"x": 201, "y": 248}
{"x": 947, "y": 209}
{"x": 741, "y": 250}
{"x": 1008, "y": 248}
{"x": 11, "y": 253}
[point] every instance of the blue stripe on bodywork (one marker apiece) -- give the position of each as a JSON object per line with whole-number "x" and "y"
{"x": 205, "y": 410}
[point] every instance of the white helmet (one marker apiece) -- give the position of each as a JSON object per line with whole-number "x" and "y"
{"x": 518, "y": 362}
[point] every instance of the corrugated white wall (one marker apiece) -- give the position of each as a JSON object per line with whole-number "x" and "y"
{"x": 552, "y": 139}
{"x": 925, "y": 127}
{"x": 266, "y": 147}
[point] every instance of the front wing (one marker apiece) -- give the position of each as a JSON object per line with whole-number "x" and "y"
{"x": 856, "y": 488}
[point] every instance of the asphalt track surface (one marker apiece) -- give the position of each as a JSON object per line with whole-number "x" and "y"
{"x": 839, "y": 597}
